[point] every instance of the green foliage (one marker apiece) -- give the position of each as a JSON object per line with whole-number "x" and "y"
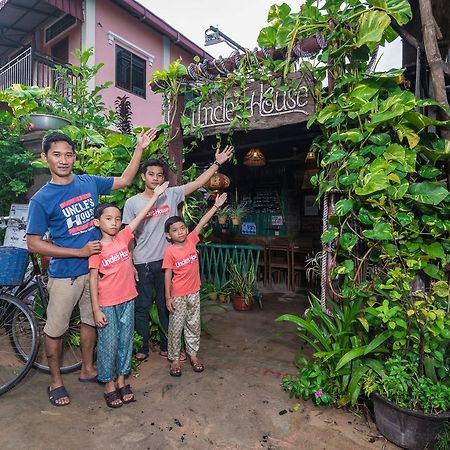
{"x": 16, "y": 174}
{"x": 342, "y": 346}
{"x": 311, "y": 382}
{"x": 243, "y": 284}
{"x": 401, "y": 384}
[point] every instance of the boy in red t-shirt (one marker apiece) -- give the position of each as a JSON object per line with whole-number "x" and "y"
{"x": 182, "y": 286}
{"x": 113, "y": 291}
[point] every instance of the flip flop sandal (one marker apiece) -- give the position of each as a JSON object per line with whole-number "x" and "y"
{"x": 141, "y": 358}
{"x": 111, "y": 397}
{"x": 175, "y": 372}
{"x": 57, "y": 394}
{"x": 126, "y": 390}
{"x": 197, "y": 367}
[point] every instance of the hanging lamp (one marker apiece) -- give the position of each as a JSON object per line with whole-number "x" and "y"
{"x": 254, "y": 158}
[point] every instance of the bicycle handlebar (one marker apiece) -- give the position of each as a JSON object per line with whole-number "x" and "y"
{"x": 7, "y": 221}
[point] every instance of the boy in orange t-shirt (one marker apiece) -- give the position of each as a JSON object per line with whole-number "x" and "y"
{"x": 113, "y": 291}
{"x": 182, "y": 286}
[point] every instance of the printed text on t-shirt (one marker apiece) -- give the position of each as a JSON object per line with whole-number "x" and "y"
{"x": 159, "y": 211}
{"x": 188, "y": 260}
{"x": 119, "y": 256}
{"x": 79, "y": 212}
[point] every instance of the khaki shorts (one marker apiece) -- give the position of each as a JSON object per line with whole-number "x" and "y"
{"x": 64, "y": 294}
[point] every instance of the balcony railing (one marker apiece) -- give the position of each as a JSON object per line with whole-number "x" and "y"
{"x": 33, "y": 69}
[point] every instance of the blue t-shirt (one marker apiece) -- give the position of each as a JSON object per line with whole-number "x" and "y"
{"x": 67, "y": 211}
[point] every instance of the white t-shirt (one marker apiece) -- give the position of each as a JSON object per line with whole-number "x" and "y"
{"x": 150, "y": 238}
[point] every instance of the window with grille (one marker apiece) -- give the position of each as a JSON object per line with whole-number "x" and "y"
{"x": 59, "y": 27}
{"x": 130, "y": 72}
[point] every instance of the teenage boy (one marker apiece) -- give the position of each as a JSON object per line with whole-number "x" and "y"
{"x": 150, "y": 242}
{"x": 65, "y": 208}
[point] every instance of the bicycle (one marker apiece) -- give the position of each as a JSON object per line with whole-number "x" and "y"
{"x": 33, "y": 292}
{"x": 18, "y": 326}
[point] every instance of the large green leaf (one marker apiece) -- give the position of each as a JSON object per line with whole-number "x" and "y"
{"x": 344, "y": 206}
{"x": 329, "y": 235}
{"x": 381, "y": 231}
{"x": 435, "y": 250}
{"x": 372, "y": 26}
{"x": 353, "y": 135}
{"x": 400, "y": 10}
{"x": 267, "y": 37}
{"x": 377, "y": 341}
{"x": 427, "y": 192}
{"x": 335, "y": 154}
{"x": 348, "y": 241}
{"x": 372, "y": 182}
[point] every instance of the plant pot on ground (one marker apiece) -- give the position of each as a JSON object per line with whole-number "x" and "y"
{"x": 240, "y": 286}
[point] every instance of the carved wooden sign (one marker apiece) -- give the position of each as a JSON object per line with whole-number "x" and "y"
{"x": 268, "y": 104}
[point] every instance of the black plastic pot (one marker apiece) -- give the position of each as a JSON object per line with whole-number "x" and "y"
{"x": 412, "y": 430}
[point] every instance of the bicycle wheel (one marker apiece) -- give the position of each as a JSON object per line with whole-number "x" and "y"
{"x": 71, "y": 350}
{"x": 18, "y": 329}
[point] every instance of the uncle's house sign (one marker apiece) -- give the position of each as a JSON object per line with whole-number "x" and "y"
{"x": 268, "y": 107}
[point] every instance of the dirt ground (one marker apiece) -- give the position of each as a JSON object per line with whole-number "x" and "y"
{"x": 236, "y": 403}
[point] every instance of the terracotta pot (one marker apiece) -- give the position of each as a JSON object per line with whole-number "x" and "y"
{"x": 213, "y": 296}
{"x": 239, "y": 304}
{"x": 222, "y": 220}
{"x": 413, "y": 430}
{"x": 235, "y": 221}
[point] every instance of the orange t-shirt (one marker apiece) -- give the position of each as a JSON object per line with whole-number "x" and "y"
{"x": 185, "y": 267}
{"x": 116, "y": 282}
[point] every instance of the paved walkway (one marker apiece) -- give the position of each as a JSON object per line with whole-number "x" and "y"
{"x": 236, "y": 403}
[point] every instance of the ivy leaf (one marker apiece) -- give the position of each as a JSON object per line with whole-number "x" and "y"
{"x": 380, "y": 139}
{"x": 434, "y": 250}
{"x": 348, "y": 180}
{"x": 372, "y": 26}
{"x": 427, "y": 192}
{"x": 267, "y": 37}
{"x": 380, "y": 232}
{"x": 335, "y": 155}
{"x": 343, "y": 207}
{"x": 347, "y": 241}
{"x": 433, "y": 271}
{"x": 390, "y": 249}
{"x": 372, "y": 182}
{"x": 329, "y": 235}
{"x": 429, "y": 172}
{"x": 440, "y": 288}
{"x": 400, "y": 10}
{"x": 353, "y": 135}
{"x": 345, "y": 267}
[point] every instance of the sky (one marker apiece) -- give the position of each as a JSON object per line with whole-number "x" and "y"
{"x": 241, "y": 20}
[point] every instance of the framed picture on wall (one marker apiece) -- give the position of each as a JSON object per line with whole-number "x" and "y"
{"x": 311, "y": 207}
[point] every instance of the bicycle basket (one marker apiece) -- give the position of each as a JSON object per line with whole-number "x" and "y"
{"x": 13, "y": 263}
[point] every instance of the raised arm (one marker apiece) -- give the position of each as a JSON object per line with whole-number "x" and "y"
{"x": 220, "y": 200}
{"x": 143, "y": 212}
{"x": 221, "y": 157}
{"x": 36, "y": 244}
{"x": 131, "y": 170}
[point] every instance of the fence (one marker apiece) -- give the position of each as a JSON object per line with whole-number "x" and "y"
{"x": 216, "y": 258}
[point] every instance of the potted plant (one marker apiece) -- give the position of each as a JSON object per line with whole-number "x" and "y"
{"x": 237, "y": 213}
{"x": 241, "y": 287}
{"x": 410, "y": 410}
{"x": 35, "y": 106}
{"x": 411, "y": 393}
{"x": 222, "y": 215}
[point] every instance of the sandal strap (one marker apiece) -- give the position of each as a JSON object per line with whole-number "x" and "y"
{"x": 125, "y": 390}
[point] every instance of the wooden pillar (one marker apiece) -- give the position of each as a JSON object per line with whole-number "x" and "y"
{"x": 176, "y": 141}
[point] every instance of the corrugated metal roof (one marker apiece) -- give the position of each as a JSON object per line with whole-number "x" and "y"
{"x": 72, "y": 7}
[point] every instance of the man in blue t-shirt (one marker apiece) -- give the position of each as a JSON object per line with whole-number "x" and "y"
{"x": 65, "y": 208}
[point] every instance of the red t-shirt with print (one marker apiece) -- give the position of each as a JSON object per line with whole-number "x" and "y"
{"x": 116, "y": 282}
{"x": 183, "y": 260}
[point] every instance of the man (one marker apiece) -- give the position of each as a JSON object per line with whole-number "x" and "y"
{"x": 65, "y": 207}
{"x": 151, "y": 243}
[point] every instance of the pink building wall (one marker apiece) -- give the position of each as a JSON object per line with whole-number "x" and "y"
{"x": 111, "y": 18}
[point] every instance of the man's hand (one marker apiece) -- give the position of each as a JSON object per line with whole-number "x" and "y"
{"x": 220, "y": 200}
{"x": 144, "y": 138}
{"x": 170, "y": 305}
{"x": 91, "y": 248}
{"x": 224, "y": 155}
{"x": 161, "y": 188}
{"x": 100, "y": 319}
{"x": 136, "y": 274}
